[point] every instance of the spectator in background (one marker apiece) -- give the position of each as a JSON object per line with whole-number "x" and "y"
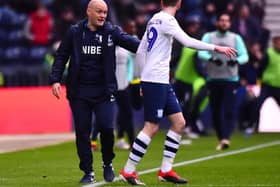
{"x": 124, "y": 74}
{"x": 64, "y": 20}
{"x": 149, "y": 7}
{"x": 189, "y": 70}
{"x": 189, "y": 8}
{"x": 59, "y": 6}
{"x": 222, "y": 78}
{"x": 257, "y": 9}
{"x": 144, "y": 11}
{"x": 220, "y": 6}
{"x": 23, "y": 6}
{"x": 249, "y": 88}
{"x": 124, "y": 10}
{"x": 134, "y": 87}
{"x": 38, "y": 29}
{"x": 212, "y": 8}
{"x": 246, "y": 25}
{"x": 270, "y": 76}
{"x": 248, "y": 71}
{"x": 7, "y": 15}
{"x": 209, "y": 16}
{"x": 141, "y": 19}
{"x": 264, "y": 37}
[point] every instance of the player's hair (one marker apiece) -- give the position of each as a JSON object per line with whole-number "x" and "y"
{"x": 223, "y": 14}
{"x": 169, "y": 2}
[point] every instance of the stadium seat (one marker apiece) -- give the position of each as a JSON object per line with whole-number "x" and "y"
{"x": 37, "y": 54}
{"x": 13, "y": 54}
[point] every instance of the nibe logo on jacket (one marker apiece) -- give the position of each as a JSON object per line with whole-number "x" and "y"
{"x": 92, "y": 50}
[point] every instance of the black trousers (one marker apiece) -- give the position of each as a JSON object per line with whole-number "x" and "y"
{"x": 190, "y": 105}
{"x": 125, "y": 115}
{"x": 184, "y": 94}
{"x": 222, "y": 97}
{"x": 266, "y": 91}
{"x": 82, "y": 111}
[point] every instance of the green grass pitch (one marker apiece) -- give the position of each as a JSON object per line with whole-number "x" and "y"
{"x": 58, "y": 165}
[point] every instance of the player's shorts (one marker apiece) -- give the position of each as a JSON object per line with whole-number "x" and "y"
{"x": 159, "y": 100}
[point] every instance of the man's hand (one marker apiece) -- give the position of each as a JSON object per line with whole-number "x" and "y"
{"x": 228, "y": 51}
{"x": 232, "y": 62}
{"x": 216, "y": 61}
{"x": 56, "y": 90}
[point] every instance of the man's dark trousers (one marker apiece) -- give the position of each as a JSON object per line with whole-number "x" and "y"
{"x": 222, "y": 98}
{"x": 104, "y": 111}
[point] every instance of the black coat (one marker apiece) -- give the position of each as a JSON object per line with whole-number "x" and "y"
{"x": 70, "y": 48}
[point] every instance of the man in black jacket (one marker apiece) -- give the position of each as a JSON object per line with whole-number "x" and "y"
{"x": 90, "y": 48}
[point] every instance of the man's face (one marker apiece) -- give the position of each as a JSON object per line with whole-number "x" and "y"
{"x": 223, "y": 24}
{"x": 97, "y": 14}
{"x": 131, "y": 28}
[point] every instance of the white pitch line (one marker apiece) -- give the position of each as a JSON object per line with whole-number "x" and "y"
{"x": 244, "y": 150}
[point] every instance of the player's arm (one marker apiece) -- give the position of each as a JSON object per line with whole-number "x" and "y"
{"x": 190, "y": 42}
{"x": 174, "y": 28}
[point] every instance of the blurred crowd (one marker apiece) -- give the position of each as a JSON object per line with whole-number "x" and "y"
{"x": 30, "y": 31}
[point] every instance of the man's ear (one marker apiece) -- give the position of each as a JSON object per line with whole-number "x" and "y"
{"x": 179, "y": 3}
{"x": 88, "y": 11}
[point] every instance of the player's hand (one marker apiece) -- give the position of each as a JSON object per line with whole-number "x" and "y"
{"x": 232, "y": 62}
{"x": 228, "y": 51}
{"x": 216, "y": 61}
{"x": 56, "y": 90}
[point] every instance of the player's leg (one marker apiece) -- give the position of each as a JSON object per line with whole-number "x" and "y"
{"x": 154, "y": 101}
{"x": 173, "y": 138}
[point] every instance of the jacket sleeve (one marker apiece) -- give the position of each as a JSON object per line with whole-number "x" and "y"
{"x": 125, "y": 40}
{"x": 61, "y": 58}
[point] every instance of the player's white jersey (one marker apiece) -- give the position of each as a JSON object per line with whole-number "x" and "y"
{"x": 155, "y": 47}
